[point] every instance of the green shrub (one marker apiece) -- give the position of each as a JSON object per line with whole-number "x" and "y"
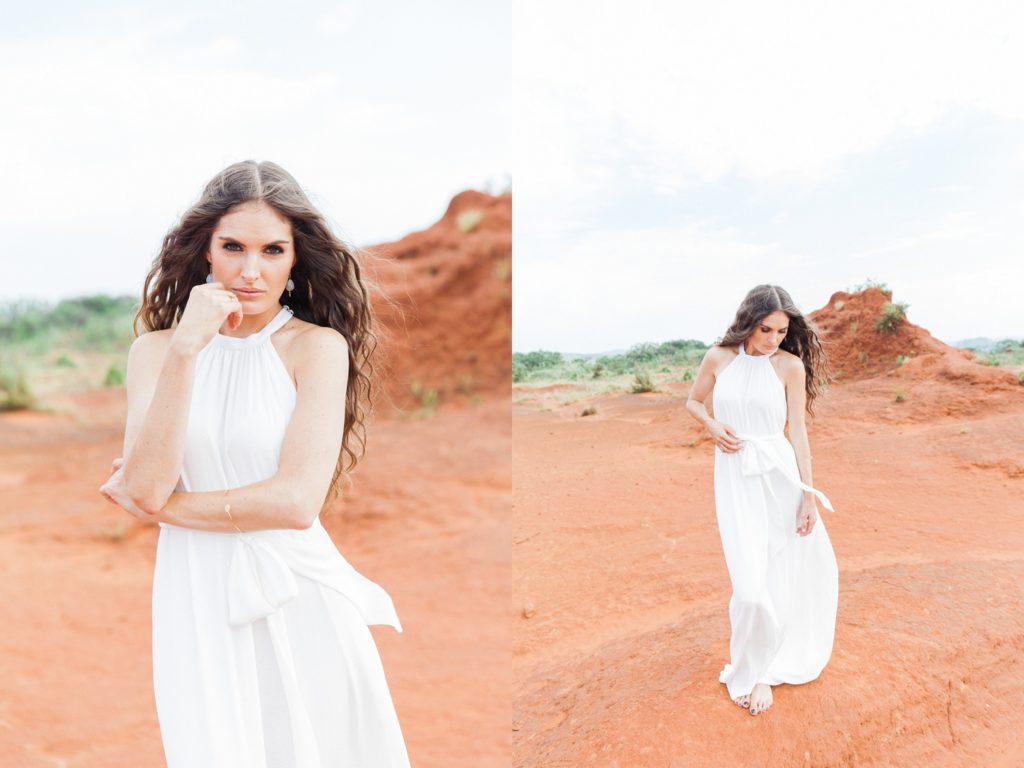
{"x": 901, "y": 360}
{"x": 65, "y": 362}
{"x": 869, "y": 283}
{"x": 893, "y": 315}
{"x": 597, "y": 371}
{"x": 15, "y": 393}
{"x": 538, "y": 359}
{"x": 688, "y": 375}
{"x": 114, "y": 378}
{"x": 642, "y": 383}
{"x": 518, "y": 371}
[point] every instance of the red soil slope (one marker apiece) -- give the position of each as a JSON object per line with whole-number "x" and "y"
{"x": 449, "y": 318}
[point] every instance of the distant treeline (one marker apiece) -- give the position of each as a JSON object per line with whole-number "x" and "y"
{"x": 543, "y": 364}
{"x": 87, "y": 322}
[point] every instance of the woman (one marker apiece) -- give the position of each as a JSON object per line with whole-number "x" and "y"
{"x": 764, "y": 374}
{"x": 241, "y": 414}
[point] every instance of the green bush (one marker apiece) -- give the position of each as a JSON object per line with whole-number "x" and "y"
{"x": 15, "y": 393}
{"x": 893, "y": 315}
{"x": 518, "y": 370}
{"x": 869, "y": 283}
{"x": 537, "y": 360}
{"x": 114, "y": 378}
{"x": 65, "y": 362}
{"x": 688, "y": 375}
{"x": 642, "y": 383}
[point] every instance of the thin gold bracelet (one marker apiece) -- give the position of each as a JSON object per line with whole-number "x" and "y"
{"x": 227, "y": 508}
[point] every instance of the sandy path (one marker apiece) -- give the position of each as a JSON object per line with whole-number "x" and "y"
{"x": 621, "y": 590}
{"x": 426, "y": 520}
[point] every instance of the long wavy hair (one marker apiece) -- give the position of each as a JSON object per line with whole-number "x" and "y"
{"x": 330, "y": 289}
{"x": 801, "y": 338}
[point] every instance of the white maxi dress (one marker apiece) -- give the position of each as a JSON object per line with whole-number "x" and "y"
{"x": 262, "y": 655}
{"x": 785, "y": 586}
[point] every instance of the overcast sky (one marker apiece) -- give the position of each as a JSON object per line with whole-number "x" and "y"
{"x": 670, "y": 156}
{"x": 116, "y": 114}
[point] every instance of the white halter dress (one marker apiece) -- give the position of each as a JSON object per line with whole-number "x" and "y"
{"x": 785, "y": 586}
{"x": 262, "y": 657}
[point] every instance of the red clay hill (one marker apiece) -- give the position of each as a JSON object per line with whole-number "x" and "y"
{"x": 446, "y": 315}
{"x": 858, "y": 350}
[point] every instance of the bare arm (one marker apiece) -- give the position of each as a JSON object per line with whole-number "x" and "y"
{"x": 161, "y": 369}
{"x": 701, "y": 388}
{"x": 159, "y": 389}
{"x": 294, "y": 496}
{"x": 796, "y": 405}
{"x": 724, "y": 437}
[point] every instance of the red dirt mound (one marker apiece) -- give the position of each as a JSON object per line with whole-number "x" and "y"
{"x": 857, "y": 350}
{"x": 448, "y": 315}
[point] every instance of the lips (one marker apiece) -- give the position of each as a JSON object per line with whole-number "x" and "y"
{"x": 247, "y": 292}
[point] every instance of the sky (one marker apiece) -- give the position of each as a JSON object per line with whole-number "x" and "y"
{"x": 670, "y": 156}
{"x": 117, "y": 114}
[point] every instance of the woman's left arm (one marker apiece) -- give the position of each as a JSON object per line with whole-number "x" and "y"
{"x": 796, "y": 409}
{"x": 294, "y": 496}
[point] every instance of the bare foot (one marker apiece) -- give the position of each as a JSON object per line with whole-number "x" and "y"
{"x": 760, "y": 698}
{"x": 743, "y": 701}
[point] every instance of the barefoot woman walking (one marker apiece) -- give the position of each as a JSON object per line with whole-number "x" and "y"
{"x": 240, "y": 412}
{"x": 763, "y": 375}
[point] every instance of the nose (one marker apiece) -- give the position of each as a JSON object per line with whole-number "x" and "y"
{"x": 251, "y": 267}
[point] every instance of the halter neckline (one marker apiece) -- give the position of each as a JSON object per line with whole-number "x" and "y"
{"x": 744, "y": 353}
{"x": 257, "y": 337}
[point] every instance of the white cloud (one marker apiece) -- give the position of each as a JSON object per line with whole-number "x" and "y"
{"x": 629, "y": 116}
{"x": 780, "y": 90}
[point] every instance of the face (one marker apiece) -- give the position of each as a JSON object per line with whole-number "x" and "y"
{"x": 252, "y": 253}
{"x": 769, "y": 333}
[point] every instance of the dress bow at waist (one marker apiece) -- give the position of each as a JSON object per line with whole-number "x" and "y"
{"x": 263, "y": 570}
{"x": 763, "y": 453}
{"x": 259, "y": 581}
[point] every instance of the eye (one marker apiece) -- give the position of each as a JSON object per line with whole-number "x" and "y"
{"x": 231, "y": 246}
{"x": 275, "y": 249}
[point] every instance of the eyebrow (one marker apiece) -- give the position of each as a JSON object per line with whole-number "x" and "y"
{"x": 236, "y": 240}
{"x": 783, "y": 328}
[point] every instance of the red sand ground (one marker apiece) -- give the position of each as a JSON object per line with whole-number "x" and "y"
{"x": 426, "y": 520}
{"x": 621, "y": 588}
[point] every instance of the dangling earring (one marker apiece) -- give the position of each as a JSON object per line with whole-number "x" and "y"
{"x": 209, "y": 277}
{"x": 290, "y": 286}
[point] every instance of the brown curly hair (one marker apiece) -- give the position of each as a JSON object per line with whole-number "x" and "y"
{"x": 801, "y": 338}
{"x": 330, "y": 289}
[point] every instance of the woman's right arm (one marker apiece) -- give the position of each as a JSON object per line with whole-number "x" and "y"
{"x": 161, "y": 369}
{"x": 159, "y": 389}
{"x": 723, "y": 435}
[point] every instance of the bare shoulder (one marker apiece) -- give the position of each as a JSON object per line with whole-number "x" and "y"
{"x": 718, "y": 354}
{"x": 301, "y": 344}
{"x": 312, "y": 339}
{"x": 151, "y": 345}
{"x": 717, "y": 357}
{"x": 789, "y": 362}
